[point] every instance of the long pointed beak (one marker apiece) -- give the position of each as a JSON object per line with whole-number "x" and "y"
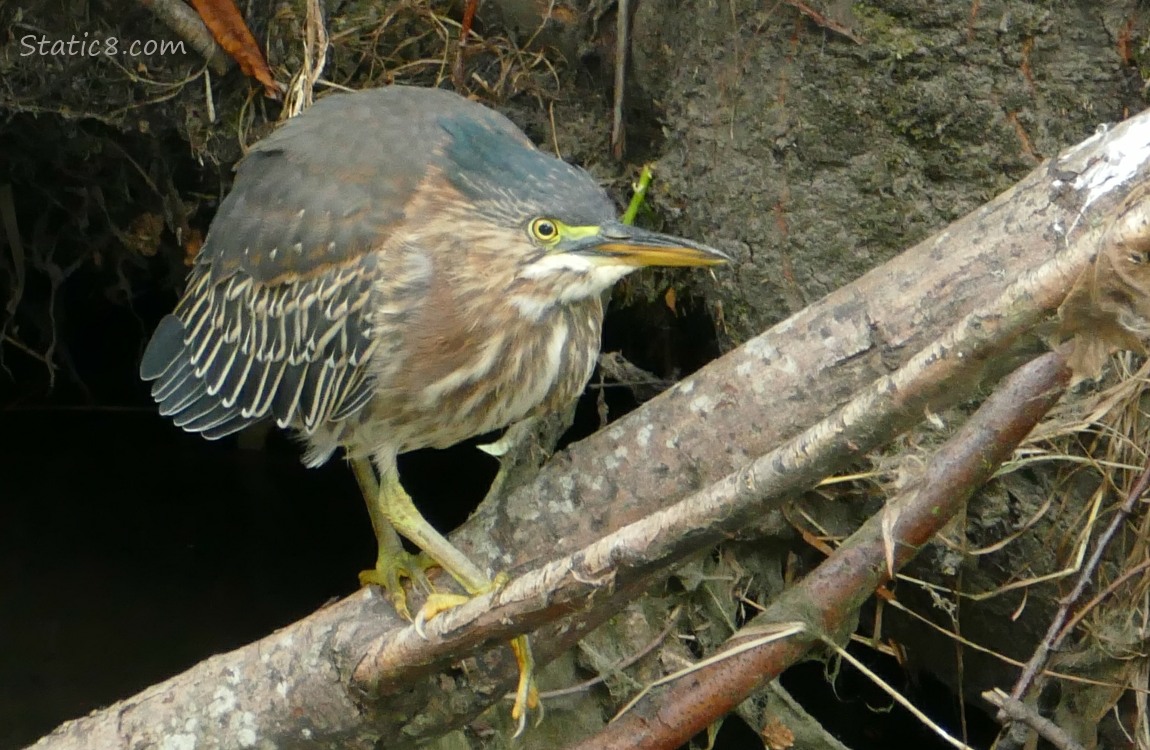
{"x": 620, "y": 244}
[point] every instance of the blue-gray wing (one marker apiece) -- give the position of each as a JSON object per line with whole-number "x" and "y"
{"x": 237, "y": 352}
{"x": 276, "y": 318}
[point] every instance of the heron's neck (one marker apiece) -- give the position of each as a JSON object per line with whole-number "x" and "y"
{"x": 534, "y": 296}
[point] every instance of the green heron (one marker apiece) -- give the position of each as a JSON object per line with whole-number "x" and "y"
{"x": 395, "y": 269}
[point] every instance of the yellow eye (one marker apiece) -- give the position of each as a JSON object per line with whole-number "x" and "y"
{"x": 545, "y": 230}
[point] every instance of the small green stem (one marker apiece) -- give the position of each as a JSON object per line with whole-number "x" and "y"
{"x": 640, "y": 194}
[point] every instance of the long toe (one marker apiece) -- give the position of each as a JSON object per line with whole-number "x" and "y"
{"x": 437, "y": 603}
{"x": 390, "y": 572}
{"x": 526, "y": 693}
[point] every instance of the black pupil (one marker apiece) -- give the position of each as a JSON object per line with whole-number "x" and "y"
{"x": 545, "y": 229}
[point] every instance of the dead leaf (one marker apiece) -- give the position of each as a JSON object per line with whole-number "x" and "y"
{"x": 777, "y": 736}
{"x": 193, "y": 241}
{"x": 223, "y": 19}
{"x": 1108, "y": 308}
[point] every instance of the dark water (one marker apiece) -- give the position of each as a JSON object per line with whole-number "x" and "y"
{"x": 129, "y": 551}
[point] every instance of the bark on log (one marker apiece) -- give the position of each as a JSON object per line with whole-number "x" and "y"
{"x": 293, "y": 688}
{"x": 825, "y": 604}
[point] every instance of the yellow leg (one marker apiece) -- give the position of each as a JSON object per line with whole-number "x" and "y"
{"x": 392, "y": 562}
{"x": 395, "y": 507}
{"x": 395, "y": 510}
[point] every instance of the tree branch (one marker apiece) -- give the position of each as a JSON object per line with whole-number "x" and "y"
{"x": 827, "y": 601}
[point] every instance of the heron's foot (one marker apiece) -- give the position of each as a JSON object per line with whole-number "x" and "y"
{"x": 526, "y": 692}
{"x": 439, "y": 602}
{"x": 390, "y": 572}
{"x": 436, "y": 604}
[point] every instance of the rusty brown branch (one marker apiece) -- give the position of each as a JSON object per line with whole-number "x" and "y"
{"x": 828, "y": 599}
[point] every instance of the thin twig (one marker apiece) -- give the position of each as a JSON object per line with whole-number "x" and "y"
{"x": 673, "y": 621}
{"x": 1016, "y": 710}
{"x": 1057, "y": 632}
{"x": 899, "y": 698}
{"x": 464, "y": 32}
{"x": 1090, "y": 605}
{"x": 622, "y": 45}
{"x": 180, "y": 18}
{"x": 825, "y": 21}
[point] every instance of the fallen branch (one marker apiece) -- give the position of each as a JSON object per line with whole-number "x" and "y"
{"x": 297, "y": 683}
{"x": 827, "y": 601}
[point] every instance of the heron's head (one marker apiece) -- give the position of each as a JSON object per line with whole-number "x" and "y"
{"x": 545, "y": 227}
